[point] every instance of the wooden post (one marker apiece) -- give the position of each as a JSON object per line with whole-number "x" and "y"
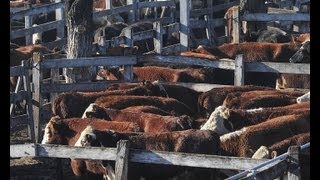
{"x": 158, "y": 39}
{"x": 128, "y": 73}
{"x": 36, "y": 95}
{"x": 294, "y": 169}
{"x": 59, "y": 16}
{"x": 79, "y": 25}
{"x": 26, "y": 84}
{"x": 121, "y": 170}
{"x": 134, "y": 14}
{"x": 235, "y": 25}
{"x": 302, "y": 26}
{"x": 209, "y": 30}
{"x": 239, "y": 71}
{"x": 109, "y": 4}
{"x": 185, "y": 8}
{"x": 28, "y": 23}
{"x": 128, "y": 34}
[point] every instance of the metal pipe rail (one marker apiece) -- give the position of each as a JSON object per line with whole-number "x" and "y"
{"x": 254, "y": 169}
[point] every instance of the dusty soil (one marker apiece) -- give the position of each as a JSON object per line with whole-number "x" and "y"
{"x": 30, "y": 168}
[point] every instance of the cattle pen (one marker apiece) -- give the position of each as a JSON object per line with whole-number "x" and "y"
{"x": 32, "y": 87}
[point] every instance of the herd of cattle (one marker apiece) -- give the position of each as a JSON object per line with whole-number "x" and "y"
{"x": 257, "y": 120}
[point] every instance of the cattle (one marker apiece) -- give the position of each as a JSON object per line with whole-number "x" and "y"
{"x": 175, "y": 107}
{"x": 147, "y": 121}
{"x": 67, "y": 132}
{"x": 285, "y": 81}
{"x": 244, "y": 142}
{"x": 209, "y": 100}
{"x": 64, "y": 105}
{"x": 302, "y": 55}
{"x": 304, "y": 98}
{"x": 155, "y": 73}
{"x": 147, "y": 109}
{"x": 188, "y": 141}
{"x": 252, "y": 51}
{"x": 64, "y": 131}
{"x": 224, "y": 120}
{"x": 273, "y": 35}
{"x": 260, "y": 98}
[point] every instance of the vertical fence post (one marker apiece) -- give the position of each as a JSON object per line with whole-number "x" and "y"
{"x": 128, "y": 35}
{"x": 28, "y": 23}
{"x": 59, "y": 16}
{"x": 108, "y": 4}
{"x": 185, "y": 8}
{"x": 128, "y": 73}
{"x": 301, "y": 26}
{"x": 36, "y": 96}
{"x": 134, "y": 14}
{"x": 209, "y": 30}
{"x": 239, "y": 71}
{"x": 294, "y": 169}
{"x": 158, "y": 39}
{"x": 122, "y": 160}
{"x": 26, "y": 84}
{"x": 235, "y": 25}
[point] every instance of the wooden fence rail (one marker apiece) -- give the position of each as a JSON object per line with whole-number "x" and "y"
{"x": 123, "y": 155}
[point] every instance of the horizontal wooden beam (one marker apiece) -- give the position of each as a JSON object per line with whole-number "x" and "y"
{"x": 91, "y": 61}
{"x": 271, "y": 172}
{"x": 189, "y": 61}
{"x": 151, "y": 4}
{"x": 18, "y": 71}
{"x": 82, "y": 86}
{"x": 143, "y": 35}
{"x": 115, "y": 10}
{"x": 291, "y": 68}
{"x": 203, "y": 24}
{"x": 36, "y": 10}
{"x": 19, "y": 96}
{"x": 40, "y": 28}
{"x": 140, "y": 156}
{"x": 276, "y": 17}
{"x": 18, "y": 120}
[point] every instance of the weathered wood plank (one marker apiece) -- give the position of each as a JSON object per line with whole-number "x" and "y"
{"x": 36, "y": 10}
{"x": 19, "y": 96}
{"x": 276, "y": 17}
{"x": 199, "y": 87}
{"x": 202, "y": 23}
{"x": 223, "y": 63}
{"x": 18, "y": 120}
{"x": 152, "y": 4}
{"x": 60, "y": 16}
{"x": 193, "y": 160}
{"x": 121, "y": 167}
{"x": 239, "y": 71}
{"x": 23, "y": 150}
{"x": 294, "y": 169}
{"x": 236, "y": 25}
{"x": 272, "y": 10}
{"x": 57, "y": 43}
{"x": 185, "y": 24}
{"x": 216, "y": 8}
{"x": 82, "y": 86}
{"x": 40, "y": 28}
{"x": 294, "y": 68}
{"x": 91, "y": 61}
{"x": 158, "y": 37}
{"x": 143, "y": 35}
{"x": 172, "y": 49}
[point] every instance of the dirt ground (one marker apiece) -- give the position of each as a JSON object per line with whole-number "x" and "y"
{"x": 28, "y": 168}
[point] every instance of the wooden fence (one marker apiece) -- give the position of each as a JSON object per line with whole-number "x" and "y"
{"x": 124, "y": 155}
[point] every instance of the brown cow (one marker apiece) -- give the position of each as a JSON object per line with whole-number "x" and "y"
{"x": 260, "y": 98}
{"x": 188, "y": 141}
{"x": 248, "y": 139}
{"x": 147, "y": 109}
{"x": 147, "y": 121}
{"x": 213, "y": 98}
{"x": 175, "y": 107}
{"x": 64, "y": 105}
{"x": 224, "y": 120}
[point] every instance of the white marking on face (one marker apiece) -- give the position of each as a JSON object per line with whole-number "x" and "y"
{"x": 233, "y": 134}
{"x": 46, "y": 134}
{"x": 304, "y": 98}
{"x": 82, "y": 141}
{"x": 216, "y": 121}
{"x": 261, "y": 153}
{"x": 89, "y": 109}
{"x": 256, "y": 110}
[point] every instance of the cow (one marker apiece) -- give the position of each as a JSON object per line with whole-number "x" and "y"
{"x": 147, "y": 109}
{"x": 224, "y": 120}
{"x": 252, "y": 51}
{"x": 67, "y": 132}
{"x": 147, "y": 121}
{"x": 304, "y": 98}
{"x": 175, "y": 107}
{"x": 209, "y": 100}
{"x": 187, "y": 141}
{"x": 260, "y": 98}
{"x": 244, "y": 142}
{"x": 64, "y": 105}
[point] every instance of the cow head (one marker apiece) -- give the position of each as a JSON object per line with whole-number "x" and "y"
{"x": 87, "y": 137}
{"x": 302, "y": 55}
{"x": 264, "y": 153}
{"x": 95, "y": 111}
{"x": 159, "y": 86}
{"x": 218, "y": 121}
{"x": 304, "y": 98}
{"x": 55, "y": 132}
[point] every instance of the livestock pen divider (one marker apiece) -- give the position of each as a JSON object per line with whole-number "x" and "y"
{"x": 123, "y": 155}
